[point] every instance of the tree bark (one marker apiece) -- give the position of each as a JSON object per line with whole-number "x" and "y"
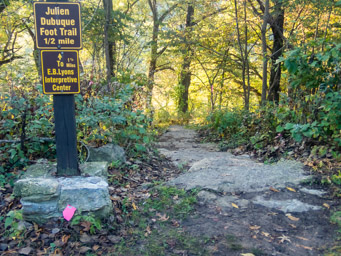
{"x": 264, "y": 50}
{"x": 277, "y": 50}
{"x": 185, "y": 74}
{"x": 108, "y": 44}
{"x": 242, "y": 57}
{"x": 154, "y": 54}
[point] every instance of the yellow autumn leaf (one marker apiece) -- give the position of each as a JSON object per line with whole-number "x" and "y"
{"x": 234, "y": 205}
{"x": 292, "y": 217}
{"x": 326, "y": 205}
{"x": 273, "y": 189}
{"x": 291, "y": 189}
{"x": 134, "y": 206}
{"x": 254, "y": 227}
{"x": 302, "y": 238}
{"x": 265, "y": 234}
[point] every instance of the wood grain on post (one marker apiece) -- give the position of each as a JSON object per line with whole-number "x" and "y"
{"x": 65, "y": 128}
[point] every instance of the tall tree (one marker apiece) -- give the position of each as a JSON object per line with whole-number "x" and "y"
{"x": 154, "y": 52}
{"x": 244, "y": 54}
{"x": 277, "y": 29}
{"x": 276, "y": 21}
{"x": 109, "y": 44}
{"x": 264, "y": 51}
{"x": 187, "y": 56}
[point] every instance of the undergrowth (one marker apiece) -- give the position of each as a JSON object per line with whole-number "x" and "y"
{"x": 305, "y": 123}
{"x": 27, "y": 123}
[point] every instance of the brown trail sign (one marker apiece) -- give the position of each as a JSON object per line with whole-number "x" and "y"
{"x": 58, "y": 28}
{"x": 60, "y": 72}
{"x": 58, "y": 25}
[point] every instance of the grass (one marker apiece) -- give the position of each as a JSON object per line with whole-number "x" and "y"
{"x": 154, "y": 227}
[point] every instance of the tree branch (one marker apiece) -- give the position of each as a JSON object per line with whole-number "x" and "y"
{"x": 162, "y": 50}
{"x": 3, "y": 62}
{"x": 164, "y": 15}
{"x": 209, "y": 15}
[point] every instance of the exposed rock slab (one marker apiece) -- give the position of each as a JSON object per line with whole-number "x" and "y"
{"x": 286, "y": 206}
{"x": 239, "y": 175}
{"x": 314, "y": 192}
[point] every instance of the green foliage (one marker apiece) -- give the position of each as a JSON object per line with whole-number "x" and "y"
{"x": 178, "y": 202}
{"x": 309, "y": 112}
{"x": 314, "y": 102}
{"x": 105, "y": 119}
{"x": 230, "y": 125}
{"x": 95, "y": 223}
{"x": 336, "y": 219}
{"x": 26, "y": 117}
{"x": 12, "y": 224}
{"x": 336, "y": 178}
{"x": 27, "y": 120}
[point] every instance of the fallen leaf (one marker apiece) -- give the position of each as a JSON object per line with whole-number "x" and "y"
{"x": 84, "y": 249}
{"x": 284, "y": 238}
{"x": 85, "y": 238}
{"x": 291, "y": 189}
{"x": 57, "y": 252}
{"x": 265, "y": 234}
{"x": 302, "y": 238}
{"x": 86, "y": 225}
{"x": 234, "y": 205}
{"x": 175, "y": 223}
{"x": 162, "y": 217}
{"x": 65, "y": 238}
{"x": 25, "y": 251}
{"x": 305, "y": 247}
{"x": 273, "y": 189}
{"x": 176, "y": 197}
{"x": 134, "y": 206}
{"x": 148, "y": 231}
{"x": 326, "y": 205}
{"x": 95, "y": 247}
{"x": 114, "y": 239}
{"x": 247, "y": 254}
{"x": 272, "y": 213}
{"x": 55, "y": 230}
{"x": 292, "y": 225}
{"x": 119, "y": 219}
{"x": 292, "y": 217}
{"x": 254, "y": 227}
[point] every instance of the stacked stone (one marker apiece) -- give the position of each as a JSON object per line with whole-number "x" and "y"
{"x": 44, "y": 196}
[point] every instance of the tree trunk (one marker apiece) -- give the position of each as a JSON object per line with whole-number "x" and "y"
{"x": 107, "y": 4}
{"x": 247, "y": 66}
{"x": 264, "y": 51}
{"x": 153, "y": 55}
{"x": 242, "y": 57}
{"x": 277, "y": 50}
{"x": 185, "y": 75}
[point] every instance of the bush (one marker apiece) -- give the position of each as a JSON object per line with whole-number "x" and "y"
{"x": 27, "y": 125}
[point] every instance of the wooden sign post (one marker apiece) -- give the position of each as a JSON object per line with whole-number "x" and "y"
{"x": 58, "y": 33}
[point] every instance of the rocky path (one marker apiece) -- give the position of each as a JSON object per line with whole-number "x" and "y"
{"x": 266, "y": 209}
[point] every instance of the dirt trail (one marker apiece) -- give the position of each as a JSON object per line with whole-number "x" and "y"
{"x": 266, "y": 209}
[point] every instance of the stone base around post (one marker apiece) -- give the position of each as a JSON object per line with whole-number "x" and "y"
{"x": 44, "y": 196}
